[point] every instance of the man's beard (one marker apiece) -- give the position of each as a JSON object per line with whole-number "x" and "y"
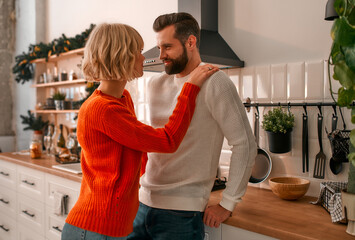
{"x": 177, "y": 65}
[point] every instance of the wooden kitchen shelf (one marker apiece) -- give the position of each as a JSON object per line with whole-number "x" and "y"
{"x": 57, "y": 84}
{"x": 55, "y": 58}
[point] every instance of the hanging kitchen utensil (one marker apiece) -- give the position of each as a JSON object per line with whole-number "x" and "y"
{"x": 339, "y": 142}
{"x": 335, "y": 164}
{"x": 262, "y": 166}
{"x": 334, "y": 118}
{"x": 319, "y": 164}
{"x": 305, "y": 156}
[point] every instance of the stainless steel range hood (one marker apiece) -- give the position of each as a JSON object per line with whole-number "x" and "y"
{"x": 213, "y": 48}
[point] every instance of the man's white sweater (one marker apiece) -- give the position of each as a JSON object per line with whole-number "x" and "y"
{"x": 183, "y": 180}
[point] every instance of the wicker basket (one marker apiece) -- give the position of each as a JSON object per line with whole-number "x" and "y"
{"x": 330, "y": 199}
{"x": 339, "y": 142}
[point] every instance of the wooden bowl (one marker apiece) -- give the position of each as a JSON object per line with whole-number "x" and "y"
{"x": 289, "y": 188}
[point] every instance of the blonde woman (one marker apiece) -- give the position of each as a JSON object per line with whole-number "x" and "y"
{"x": 113, "y": 141}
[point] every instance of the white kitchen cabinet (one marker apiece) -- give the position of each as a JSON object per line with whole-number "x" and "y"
{"x": 233, "y": 233}
{"x": 213, "y": 233}
{"x": 30, "y": 182}
{"x": 30, "y": 213}
{"x": 25, "y": 233}
{"x": 61, "y": 185}
{"x": 8, "y": 201}
{"x": 8, "y": 228}
{"x": 27, "y": 206}
{"x": 8, "y": 175}
{"x": 54, "y": 223}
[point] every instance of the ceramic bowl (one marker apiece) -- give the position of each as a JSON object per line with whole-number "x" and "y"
{"x": 289, "y": 188}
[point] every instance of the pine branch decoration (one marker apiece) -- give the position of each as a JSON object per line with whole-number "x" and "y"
{"x": 23, "y": 68}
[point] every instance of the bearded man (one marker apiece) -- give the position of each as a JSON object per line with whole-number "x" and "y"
{"x": 176, "y": 187}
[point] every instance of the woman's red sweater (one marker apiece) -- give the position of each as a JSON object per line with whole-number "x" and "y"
{"x": 113, "y": 143}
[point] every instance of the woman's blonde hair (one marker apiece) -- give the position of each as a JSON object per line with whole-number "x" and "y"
{"x": 111, "y": 51}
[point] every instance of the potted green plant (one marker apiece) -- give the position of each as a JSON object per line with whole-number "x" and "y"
{"x": 278, "y": 125}
{"x": 342, "y": 59}
{"x": 59, "y": 100}
{"x": 37, "y": 124}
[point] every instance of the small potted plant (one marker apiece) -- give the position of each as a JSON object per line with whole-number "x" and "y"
{"x": 279, "y": 124}
{"x": 37, "y": 124}
{"x": 59, "y": 100}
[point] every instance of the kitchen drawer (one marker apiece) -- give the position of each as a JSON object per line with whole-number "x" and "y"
{"x": 30, "y": 182}
{"x": 7, "y": 227}
{"x": 8, "y": 201}
{"x": 25, "y": 233}
{"x": 7, "y": 174}
{"x": 30, "y": 213}
{"x": 54, "y": 224}
{"x": 61, "y": 185}
{"x": 232, "y": 233}
{"x": 213, "y": 233}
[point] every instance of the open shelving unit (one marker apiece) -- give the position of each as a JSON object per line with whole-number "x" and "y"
{"x": 74, "y": 89}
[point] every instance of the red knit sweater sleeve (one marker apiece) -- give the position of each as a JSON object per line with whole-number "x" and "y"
{"x": 144, "y": 163}
{"x": 122, "y": 126}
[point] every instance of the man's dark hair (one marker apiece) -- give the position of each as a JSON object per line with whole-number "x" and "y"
{"x": 185, "y": 25}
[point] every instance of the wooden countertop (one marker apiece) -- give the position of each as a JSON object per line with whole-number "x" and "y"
{"x": 43, "y": 164}
{"x": 263, "y": 212}
{"x": 260, "y": 211}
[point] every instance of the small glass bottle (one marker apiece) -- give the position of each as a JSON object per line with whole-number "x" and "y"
{"x": 47, "y": 140}
{"x": 36, "y": 148}
{"x": 61, "y": 140}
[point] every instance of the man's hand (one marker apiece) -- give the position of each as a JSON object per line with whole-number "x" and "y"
{"x": 214, "y": 215}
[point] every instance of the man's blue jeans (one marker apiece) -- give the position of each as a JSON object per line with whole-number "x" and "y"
{"x": 161, "y": 224}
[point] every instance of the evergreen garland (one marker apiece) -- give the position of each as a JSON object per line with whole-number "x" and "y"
{"x": 23, "y": 68}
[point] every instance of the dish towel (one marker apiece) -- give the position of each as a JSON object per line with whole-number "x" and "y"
{"x": 330, "y": 199}
{"x": 60, "y": 203}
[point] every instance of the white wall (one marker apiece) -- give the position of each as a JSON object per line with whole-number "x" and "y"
{"x": 275, "y": 31}
{"x": 73, "y": 17}
{"x": 259, "y": 31}
{"x": 24, "y": 96}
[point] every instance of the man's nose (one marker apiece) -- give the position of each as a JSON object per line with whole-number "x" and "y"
{"x": 162, "y": 54}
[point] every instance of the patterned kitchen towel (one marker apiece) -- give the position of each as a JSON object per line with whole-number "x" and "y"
{"x": 60, "y": 203}
{"x": 330, "y": 199}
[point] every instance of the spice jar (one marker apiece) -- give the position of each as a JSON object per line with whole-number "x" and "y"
{"x": 36, "y": 148}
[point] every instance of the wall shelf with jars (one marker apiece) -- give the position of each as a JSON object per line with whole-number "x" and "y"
{"x": 59, "y": 84}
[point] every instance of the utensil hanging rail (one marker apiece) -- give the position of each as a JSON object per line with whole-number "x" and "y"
{"x": 289, "y": 104}
{"x": 248, "y": 104}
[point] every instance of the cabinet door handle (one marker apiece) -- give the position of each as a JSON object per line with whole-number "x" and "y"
{"x": 29, "y": 183}
{"x": 4, "y": 228}
{"x": 57, "y": 228}
{"x": 27, "y": 213}
{"x": 4, "y": 201}
{"x": 5, "y": 174}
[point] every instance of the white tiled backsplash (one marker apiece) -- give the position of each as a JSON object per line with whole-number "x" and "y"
{"x": 291, "y": 82}
{"x": 287, "y": 82}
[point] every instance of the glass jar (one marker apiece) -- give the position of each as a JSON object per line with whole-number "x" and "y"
{"x": 36, "y": 148}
